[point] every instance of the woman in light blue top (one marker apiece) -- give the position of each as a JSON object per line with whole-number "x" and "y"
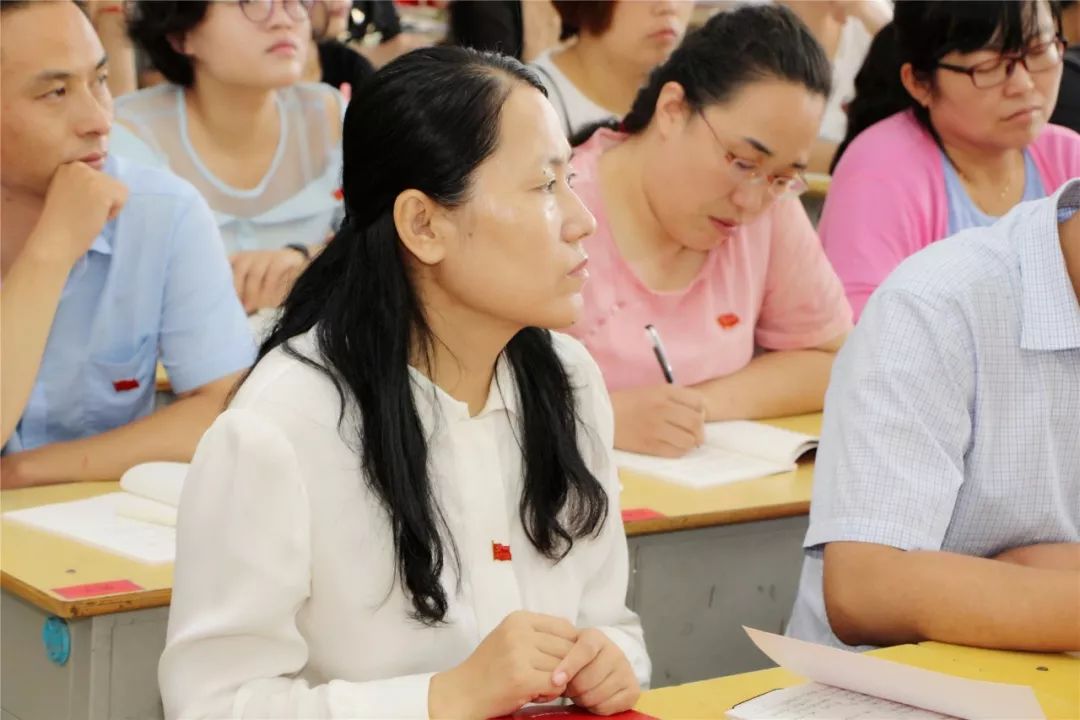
{"x": 233, "y": 121}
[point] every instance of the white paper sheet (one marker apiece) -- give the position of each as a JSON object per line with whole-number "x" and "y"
{"x": 938, "y": 692}
{"x": 96, "y": 521}
{"x": 151, "y": 511}
{"x": 812, "y": 700}
{"x": 707, "y": 466}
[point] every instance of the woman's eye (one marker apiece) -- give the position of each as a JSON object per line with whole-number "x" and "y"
{"x": 570, "y": 179}
{"x": 745, "y": 165}
{"x": 57, "y": 93}
{"x": 550, "y": 186}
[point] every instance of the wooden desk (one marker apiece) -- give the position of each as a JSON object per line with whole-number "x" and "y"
{"x": 1057, "y": 684}
{"x": 115, "y": 640}
{"x": 813, "y": 199}
{"x": 721, "y": 558}
{"x": 684, "y": 508}
{"x": 161, "y": 379}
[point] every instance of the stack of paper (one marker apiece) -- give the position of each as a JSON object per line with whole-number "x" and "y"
{"x": 849, "y": 686}
{"x": 733, "y": 451}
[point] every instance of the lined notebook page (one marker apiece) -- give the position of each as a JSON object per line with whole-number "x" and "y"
{"x": 822, "y": 701}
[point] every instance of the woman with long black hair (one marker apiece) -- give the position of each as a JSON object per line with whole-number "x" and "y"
{"x": 410, "y": 506}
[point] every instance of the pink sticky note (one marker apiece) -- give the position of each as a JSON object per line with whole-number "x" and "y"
{"x": 572, "y": 712}
{"x": 108, "y": 587}
{"x": 636, "y": 514}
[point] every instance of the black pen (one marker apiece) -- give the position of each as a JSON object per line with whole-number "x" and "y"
{"x": 661, "y": 356}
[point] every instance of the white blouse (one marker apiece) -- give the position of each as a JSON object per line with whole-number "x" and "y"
{"x": 575, "y": 109}
{"x": 286, "y": 601}
{"x": 298, "y": 200}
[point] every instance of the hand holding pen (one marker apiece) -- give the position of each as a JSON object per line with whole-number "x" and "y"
{"x": 666, "y": 420}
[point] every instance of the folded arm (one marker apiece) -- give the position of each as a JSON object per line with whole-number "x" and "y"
{"x": 879, "y": 595}
{"x": 170, "y": 433}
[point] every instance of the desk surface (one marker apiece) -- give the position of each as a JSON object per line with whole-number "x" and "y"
{"x": 33, "y": 562}
{"x": 1055, "y": 678}
{"x": 818, "y": 183}
{"x": 683, "y": 508}
{"x": 161, "y": 379}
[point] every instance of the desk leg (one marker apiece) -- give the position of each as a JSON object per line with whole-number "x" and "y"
{"x": 111, "y": 673}
{"x": 695, "y": 589}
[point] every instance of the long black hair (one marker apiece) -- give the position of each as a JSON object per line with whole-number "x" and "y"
{"x": 426, "y": 121}
{"x": 921, "y": 33}
{"x": 730, "y": 51}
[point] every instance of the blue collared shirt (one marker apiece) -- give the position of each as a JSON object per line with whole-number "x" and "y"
{"x": 154, "y": 285}
{"x": 952, "y": 421}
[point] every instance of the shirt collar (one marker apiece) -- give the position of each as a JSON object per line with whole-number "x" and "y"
{"x": 1051, "y": 311}
{"x": 432, "y": 401}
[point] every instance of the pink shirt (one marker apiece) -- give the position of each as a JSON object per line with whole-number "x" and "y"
{"x": 770, "y": 285}
{"x": 887, "y": 198}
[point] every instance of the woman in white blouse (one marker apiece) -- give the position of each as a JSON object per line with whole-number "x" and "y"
{"x": 410, "y": 507}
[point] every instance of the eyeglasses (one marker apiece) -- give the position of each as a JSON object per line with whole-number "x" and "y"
{"x": 260, "y": 11}
{"x": 745, "y": 171}
{"x": 991, "y": 73}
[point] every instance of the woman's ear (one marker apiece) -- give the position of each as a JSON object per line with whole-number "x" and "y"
{"x": 418, "y": 223}
{"x": 919, "y": 90}
{"x": 671, "y": 110}
{"x": 178, "y": 42}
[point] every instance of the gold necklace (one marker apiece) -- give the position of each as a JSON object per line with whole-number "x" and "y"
{"x": 971, "y": 185}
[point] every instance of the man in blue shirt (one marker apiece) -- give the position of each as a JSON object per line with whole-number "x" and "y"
{"x": 107, "y": 266}
{"x": 947, "y": 487}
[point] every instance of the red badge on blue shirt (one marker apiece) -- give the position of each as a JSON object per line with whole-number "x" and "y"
{"x": 125, "y": 385}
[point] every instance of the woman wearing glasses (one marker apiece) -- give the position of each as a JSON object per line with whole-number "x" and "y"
{"x": 234, "y": 122}
{"x": 701, "y": 235}
{"x": 948, "y": 130}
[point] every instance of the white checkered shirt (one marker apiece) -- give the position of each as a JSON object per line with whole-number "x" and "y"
{"x": 952, "y": 421}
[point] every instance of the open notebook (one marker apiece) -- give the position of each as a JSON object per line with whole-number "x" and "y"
{"x": 733, "y": 451}
{"x": 138, "y": 523}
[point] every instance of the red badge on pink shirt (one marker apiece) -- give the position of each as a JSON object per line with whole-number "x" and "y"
{"x": 728, "y": 320}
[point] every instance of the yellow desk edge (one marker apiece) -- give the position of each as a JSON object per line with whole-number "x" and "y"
{"x": 1055, "y": 678}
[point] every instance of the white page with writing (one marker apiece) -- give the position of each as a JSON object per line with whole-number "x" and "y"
{"x": 97, "y": 521}
{"x": 812, "y": 700}
{"x": 962, "y": 698}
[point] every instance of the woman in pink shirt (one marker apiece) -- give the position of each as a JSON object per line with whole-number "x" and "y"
{"x": 948, "y": 130}
{"x": 701, "y": 234}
